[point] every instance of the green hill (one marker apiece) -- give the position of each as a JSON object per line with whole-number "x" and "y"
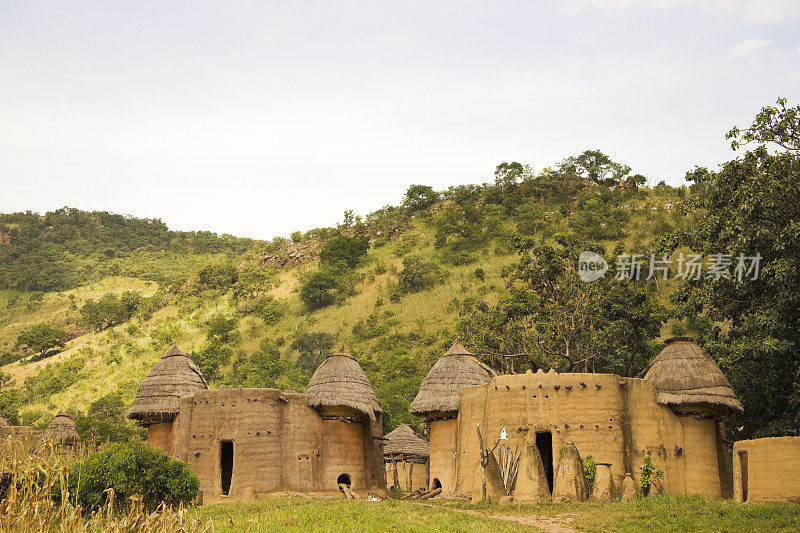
{"x": 257, "y": 313}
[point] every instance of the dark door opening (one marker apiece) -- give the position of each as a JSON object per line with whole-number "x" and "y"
{"x": 226, "y": 466}
{"x": 343, "y": 479}
{"x": 743, "y": 474}
{"x": 544, "y": 441}
{"x": 436, "y": 484}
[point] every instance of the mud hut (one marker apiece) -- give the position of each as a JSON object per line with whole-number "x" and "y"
{"x": 438, "y": 400}
{"x": 156, "y": 402}
{"x": 62, "y": 430}
{"x": 406, "y": 455}
{"x": 690, "y": 382}
{"x": 351, "y": 420}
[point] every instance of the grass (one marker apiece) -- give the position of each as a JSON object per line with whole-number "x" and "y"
{"x": 300, "y": 514}
{"x": 661, "y": 513}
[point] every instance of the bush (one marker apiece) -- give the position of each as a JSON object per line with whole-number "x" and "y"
{"x": 132, "y": 468}
{"x": 323, "y": 288}
{"x": 342, "y": 251}
{"x": 418, "y": 274}
{"x": 110, "y": 310}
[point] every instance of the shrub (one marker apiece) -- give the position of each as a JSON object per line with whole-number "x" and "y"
{"x": 649, "y": 473}
{"x": 132, "y": 468}
{"x": 323, "y": 288}
{"x": 589, "y": 468}
{"x": 110, "y": 310}
{"x": 418, "y": 274}
{"x": 480, "y": 274}
{"x": 342, "y": 251}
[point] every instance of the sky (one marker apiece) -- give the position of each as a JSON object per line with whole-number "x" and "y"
{"x": 261, "y": 118}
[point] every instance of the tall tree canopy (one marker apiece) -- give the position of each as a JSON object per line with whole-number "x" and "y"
{"x": 751, "y": 207}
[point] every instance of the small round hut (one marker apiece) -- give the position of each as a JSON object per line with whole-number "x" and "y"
{"x": 156, "y": 402}
{"x": 438, "y": 400}
{"x": 62, "y": 430}
{"x": 406, "y": 455}
{"x": 351, "y": 416}
{"x": 690, "y": 382}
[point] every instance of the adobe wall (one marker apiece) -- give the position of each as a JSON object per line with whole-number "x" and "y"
{"x": 772, "y": 471}
{"x": 443, "y": 450}
{"x": 279, "y": 442}
{"x": 615, "y": 420}
{"x": 411, "y": 475}
{"x": 160, "y": 436}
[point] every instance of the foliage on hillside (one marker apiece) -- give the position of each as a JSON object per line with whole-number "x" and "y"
{"x": 493, "y": 264}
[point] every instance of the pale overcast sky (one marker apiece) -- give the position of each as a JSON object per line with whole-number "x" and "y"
{"x": 260, "y": 118}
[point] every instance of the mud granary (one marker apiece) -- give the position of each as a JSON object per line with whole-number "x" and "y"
{"x": 62, "y": 431}
{"x": 266, "y": 440}
{"x": 675, "y": 414}
{"x": 406, "y": 455}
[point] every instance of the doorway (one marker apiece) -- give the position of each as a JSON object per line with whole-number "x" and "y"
{"x": 436, "y": 484}
{"x": 544, "y": 442}
{"x": 743, "y": 474}
{"x": 226, "y": 466}
{"x": 343, "y": 479}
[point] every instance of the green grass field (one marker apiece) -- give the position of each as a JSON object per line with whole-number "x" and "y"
{"x": 660, "y": 513}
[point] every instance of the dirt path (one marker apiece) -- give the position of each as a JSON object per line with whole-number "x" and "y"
{"x": 552, "y": 524}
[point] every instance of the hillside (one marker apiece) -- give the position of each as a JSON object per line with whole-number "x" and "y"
{"x": 257, "y": 313}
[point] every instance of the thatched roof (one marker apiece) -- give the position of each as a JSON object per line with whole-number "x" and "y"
{"x": 173, "y": 376}
{"x": 441, "y": 389}
{"x": 340, "y": 382}
{"x": 63, "y": 430}
{"x": 683, "y": 373}
{"x": 403, "y": 441}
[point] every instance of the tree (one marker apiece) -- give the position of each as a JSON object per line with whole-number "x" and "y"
{"x": 312, "y": 347}
{"x": 220, "y": 328}
{"x": 43, "y": 339}
{"x": 508, "y": 175}
{"x": 596, "y": 166}
{"x": 420, "y": 197}
{"x": 343, "y": 251}
{"x": 560, "y": 321}
{"x": 418, "y": 274}
{"x": 323, "y": 288}
{"x": 110, "y": 310}
{"x": 750, "y": 212}
{"x": 776, "y": 125}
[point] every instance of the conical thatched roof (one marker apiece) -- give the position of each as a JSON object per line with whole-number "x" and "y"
{"x": 63, "y": 430}
{"x": 340, "y": 382}
{"x": 441, "y": 389}
{"x": 173, "y": 376}
{"x": 683, "y": 373}
{"x": 403, "y": 441}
